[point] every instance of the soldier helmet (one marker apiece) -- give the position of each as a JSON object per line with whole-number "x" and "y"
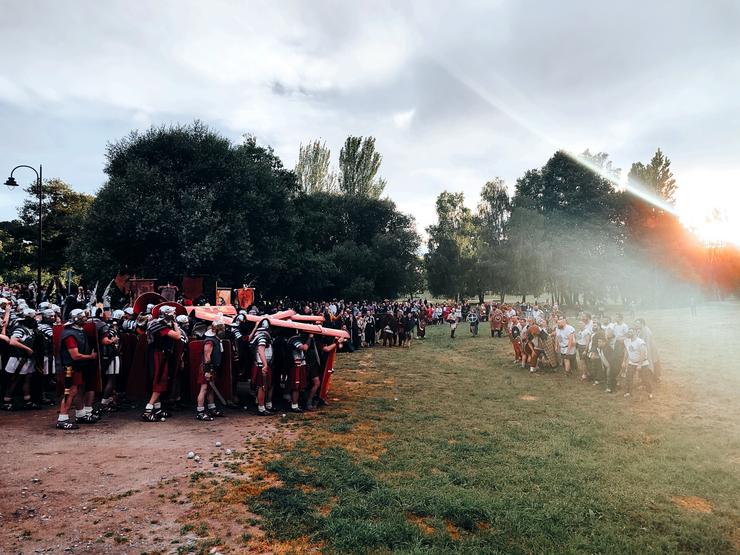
{"x": 48, "y": 314}
{"x": 167, "y": 312}
{"x": 128, "y": 310}
{"x": 44, "y": 306}
{"x": 29, "y": 313}
{"x": 117, "y": 314}
{"x": 77, "y": 316}
{"x": 182, "y": 319}
{"x": 263, "y": 325}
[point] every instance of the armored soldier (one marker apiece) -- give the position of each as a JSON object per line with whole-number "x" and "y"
{"x": 76, "y": 356}
{"x": 162, "y": 334}
{"x": 22, "y": 364}
{"x": 261, "y": 343}
{"x": 213, "y": 354}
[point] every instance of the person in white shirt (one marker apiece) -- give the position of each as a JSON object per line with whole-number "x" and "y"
{"x": 537, "y": 313}
{"x": 583, "y": 340}
{"x": 566, "y": 336}
{"x": 636, "y": 360}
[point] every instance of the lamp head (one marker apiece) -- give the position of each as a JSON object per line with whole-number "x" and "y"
{"x": 11, "y": 182}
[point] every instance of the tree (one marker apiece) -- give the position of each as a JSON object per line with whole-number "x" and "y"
{"x": 491, "y": 220}
{"x": 63, "y": 210}
{"x": 312, "y": 169}
{"x": 451, "y": 254}
{"x": 656, "y": 177}
{"x": 185, "y": 200}
{"x": 358, "y": 166}
{"x": 16, "y": 253}
{"x": 353, "y": 248}
{"x": 493, "y": 213}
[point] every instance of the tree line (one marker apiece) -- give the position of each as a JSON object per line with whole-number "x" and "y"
{"x": 568, "y": 232}
{"x": 184, "y": 200}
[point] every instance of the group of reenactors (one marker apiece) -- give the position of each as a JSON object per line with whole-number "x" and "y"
{"x": 98, "y": 361}
{"x": 605, "y": 352}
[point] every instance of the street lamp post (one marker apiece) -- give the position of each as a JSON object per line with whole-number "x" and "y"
{"x": 11, "y": 182}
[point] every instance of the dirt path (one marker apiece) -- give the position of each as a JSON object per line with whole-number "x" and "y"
{"x": 120, "y": 486}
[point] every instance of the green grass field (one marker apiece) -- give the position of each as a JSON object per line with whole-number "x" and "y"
{"x": 449, "y": 447}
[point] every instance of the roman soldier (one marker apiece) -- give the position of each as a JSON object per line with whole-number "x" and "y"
{"x": 297, "y": 378}
{"x": 496, "y": 319}
{"x": 213, "y": 354}
{"x": 162, "y": 334}
{"x": 515, "y": 332}
{"x": 110, "y": 342}
{"x": 261, "y": 343}
{"x": 22, "y": 364}
{"x": 46, "y": 332}
{"x": 76, "y": 356}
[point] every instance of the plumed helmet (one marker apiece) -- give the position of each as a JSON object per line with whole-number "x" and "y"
{"x": 117, "y": 314}
{"x": 77, "y": 316}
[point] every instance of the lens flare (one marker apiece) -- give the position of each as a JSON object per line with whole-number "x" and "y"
{"x": 618, "y": 181}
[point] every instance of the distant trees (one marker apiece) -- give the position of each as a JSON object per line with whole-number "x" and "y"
{"x": 185, "y": 200}
{"x": 567, "y": 231}
{"x": 64, "y": 211}
{"x": 313, "y": 169}
{"x": 359, "y": 163}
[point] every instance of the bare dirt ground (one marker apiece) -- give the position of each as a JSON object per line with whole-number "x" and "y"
{"x": 122, "y": 485}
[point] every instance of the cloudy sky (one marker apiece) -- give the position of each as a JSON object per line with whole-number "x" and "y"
{"x": 456, "y": 93}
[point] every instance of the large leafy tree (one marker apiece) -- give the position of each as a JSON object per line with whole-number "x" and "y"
{"x": 313, "y": 169}
{"x": 185, "y": 200}
{"x": 491, "y": 221}
{"x": 581, "y": 212}
{"x": 63, "y": 211}
{"x": 451, "y": 256}
{"x": 353, "y": 247}
{"x": 359, "y": 163}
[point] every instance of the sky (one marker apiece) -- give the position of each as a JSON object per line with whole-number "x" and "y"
{"x": 456, "y": 93}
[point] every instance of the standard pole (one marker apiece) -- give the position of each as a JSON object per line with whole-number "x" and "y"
{"x": 41, "y": 206}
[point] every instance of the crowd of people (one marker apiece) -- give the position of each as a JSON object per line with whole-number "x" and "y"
{"x": 602, "y": 350}
{"x": 89, "y": 354}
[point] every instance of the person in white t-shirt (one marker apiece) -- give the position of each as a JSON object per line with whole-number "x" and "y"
{"x": 566, "y": 337}
{"x": 583, "y": 341}
{"x": 636, "y": 360}
{"x": 537, "y": 313}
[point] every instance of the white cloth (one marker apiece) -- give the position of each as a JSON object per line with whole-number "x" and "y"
{"x": 26, "y": 366}
{"x": 114, "y": 367}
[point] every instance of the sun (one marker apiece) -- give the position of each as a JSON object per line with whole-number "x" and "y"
{"x": 714, "y": 229}
{"x": 708, "y": 203}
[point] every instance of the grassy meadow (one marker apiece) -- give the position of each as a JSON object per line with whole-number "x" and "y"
{"x": 449, "y": 447}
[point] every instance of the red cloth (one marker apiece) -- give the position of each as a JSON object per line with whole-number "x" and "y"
{"x": 298, "y": 379}
{"x": 192, "y": 287}
{"x": 259, "y": 379}
{"x": 161, "y": 372}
